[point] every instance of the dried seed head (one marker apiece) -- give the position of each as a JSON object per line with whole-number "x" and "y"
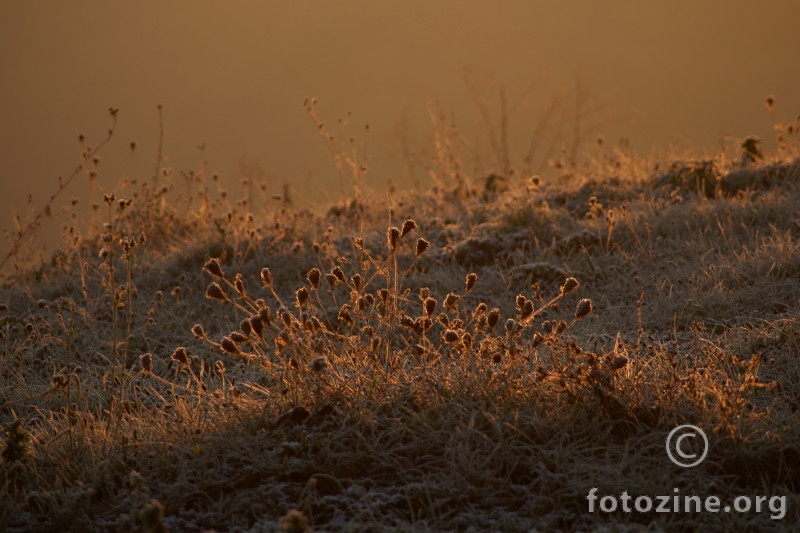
{"x": 480, "y": 309}
{"x": 494, "y": 317}
{"x": 258, "y": 326}
{"x": 238, "y": 284}
{"x": 344, "y": 314}
{"x": 510, "y": 324}
{"x": 383, "y": 294}
{"x": 618, "y": 362}
{"x": 264, "y": 315}
{"x": 584, "y": 308}
{"x": 408, "y": 226}
{"x": 424, "y": 293}
{"x": 429, "y": 305}
{"x": 228, "y": 346}
{"x": 547, "y": 327}
{"x": 570, "y": 284}
{"x": 214, "y": 268}
{"x": 238, "y": 337}
{"x": 520, "y": 301}
{"x": 313, "y": 277}
{"x": 537, "y": 339}
{"x": 246, "y": 326}
{"x": 318, "y": 365}
{"x": 356, "y": 280}
{"x": 339, "y": 273}
{"x": 286, "y": 317}
{"x": 181, "y": 355}
{"x": 198, "y": 332}
{"x": 214, "y": 292}
{"x": 146, "y": 360}
{"x": 266, "y": 278}
{"x": 301, "y": 296}
{"x": 527, "y": 309}
{"x": 332, "y": 280}
{"x": 451, "y": 336}
{"x": 451, "y": 301}
{"x": 444, "y": 320}
{"x": 421, "y": 246}
{"x": 392, "y": 236}
{"x": 471, "y": 279}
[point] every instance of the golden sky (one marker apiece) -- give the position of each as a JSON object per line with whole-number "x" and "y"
{"x": 234, "y": 74}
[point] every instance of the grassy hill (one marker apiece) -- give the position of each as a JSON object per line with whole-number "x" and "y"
{"x": 475, "y": 356}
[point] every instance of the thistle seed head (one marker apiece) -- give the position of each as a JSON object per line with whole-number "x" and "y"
{"x": 392, "y": 236}
{"x": 471, "y": 279}
{"x": 313, "y": 277}
{"x": 213, "y": 267}
{"x": 421, "y": 246}
{"x": 570, "y": 284}
{"x": 181, "y": 355}
{"x": 584, "y": 307}
{"x": 266, "y": 278}
{"x": 214, "y": 292}
{"x": 408, "y": 226}
{"x": 146, "y": 360}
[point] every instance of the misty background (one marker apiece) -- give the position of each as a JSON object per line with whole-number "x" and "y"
{"x": 674, "y": 78}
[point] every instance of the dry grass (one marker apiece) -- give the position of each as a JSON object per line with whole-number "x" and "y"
{"x": 472, "y": 358}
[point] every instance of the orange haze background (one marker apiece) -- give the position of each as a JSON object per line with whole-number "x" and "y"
{"x": 670, "y": 76}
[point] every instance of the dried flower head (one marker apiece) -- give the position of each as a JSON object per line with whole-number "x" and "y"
{"x": 257, "y": 325}
{"x": 181, "y": 355}
{"x": 238, "y": 284}
{"x": 356, "y": 280}
{"x": 146, "y": 360}
{"x": 471, "y": 279}
{"x": 214, "y": 292}
{"x": 421, "y": 246}
{"x": 319, "y": 364}
{"x": 510, "y": 325}
{"x": 339, "y": 274}
{"x": 313, "y": 277}
{"x": 570, "y": 284}
{"x": 429, "y": 305}
{"x": 408, "y": 226}
{"x": 214, "y": 268}
{"x": 238, "y": 337}
{"x": 246, "y": 326}
{"x": 198, "y": 331}
{"x": 451, "y": 301}
{"x": 618, "y": 362}
{"x": 266, "y": 277}
{"x": 537, "y": 339}
{"x": 301, "y": 296}
{"x": 451, "y": 336}
{"x": 392, "y": 236}
{"x": 584, "y": 307}
{"x": 493, "y": 317}
{"x": 228, "y": 346}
